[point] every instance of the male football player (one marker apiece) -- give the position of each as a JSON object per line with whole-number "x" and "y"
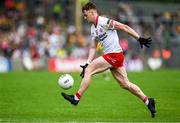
{"x": 104, "y": 30}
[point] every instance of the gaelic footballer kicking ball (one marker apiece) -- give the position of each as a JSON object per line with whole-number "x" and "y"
{"x": 66, "y": 81}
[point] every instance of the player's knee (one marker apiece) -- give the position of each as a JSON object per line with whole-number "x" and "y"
{"x": 88, "y": 71}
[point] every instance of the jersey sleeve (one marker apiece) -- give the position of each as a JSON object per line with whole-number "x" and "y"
{"x": 106, "y": 22}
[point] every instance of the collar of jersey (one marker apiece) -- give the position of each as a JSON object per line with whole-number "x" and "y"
{"x": 96, "y": 21}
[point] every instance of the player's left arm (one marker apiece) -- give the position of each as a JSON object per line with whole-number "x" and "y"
{"x": 127, "y": 29}
{"x": 120, "y": 26}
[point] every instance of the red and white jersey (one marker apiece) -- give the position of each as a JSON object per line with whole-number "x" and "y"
{"x": 104, "y": 32}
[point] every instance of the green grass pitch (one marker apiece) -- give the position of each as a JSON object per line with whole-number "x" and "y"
{"x": 35, "y": 97}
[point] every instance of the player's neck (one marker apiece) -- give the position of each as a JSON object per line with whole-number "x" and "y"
{"x": 96, "y": 19}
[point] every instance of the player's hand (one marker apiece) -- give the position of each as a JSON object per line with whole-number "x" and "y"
{"x": 145, "y": 41}
{"x": 83, "y": 69}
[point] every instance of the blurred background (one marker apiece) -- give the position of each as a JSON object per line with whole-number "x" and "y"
{"x": 52, "y": 35}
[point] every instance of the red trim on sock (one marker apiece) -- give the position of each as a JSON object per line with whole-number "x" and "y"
{"x": 145, "y": 99}
{"x": 78, "y": 95}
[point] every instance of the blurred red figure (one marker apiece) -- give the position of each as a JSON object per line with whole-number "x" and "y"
{"x": 104, "y": 31}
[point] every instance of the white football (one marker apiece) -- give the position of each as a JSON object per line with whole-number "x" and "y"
{"x": 66, "y": 81}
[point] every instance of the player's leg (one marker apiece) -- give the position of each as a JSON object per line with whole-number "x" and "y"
{"x": 120, "y": 75}
{"x": 106, "y": 75}
{"x": 98, "y": 65}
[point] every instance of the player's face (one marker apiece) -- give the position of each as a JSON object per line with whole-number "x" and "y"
{"x": 88, "y": 15}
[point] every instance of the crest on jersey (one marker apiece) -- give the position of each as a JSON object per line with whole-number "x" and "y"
{"x": 96, "y": 32}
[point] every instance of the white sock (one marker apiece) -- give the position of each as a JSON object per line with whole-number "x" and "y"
{"x": 147, "y": 102}
{"x": 76, "y": 98}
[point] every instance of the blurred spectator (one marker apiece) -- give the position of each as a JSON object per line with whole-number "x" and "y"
{"x": 135, "y": 63}
{"x": 125, "y": 46}
{"x": 7, "y": 52}
{"x": 27, "y": 60}
{"x": 31, "y": 32}
{"x": 155, "y": 61}
{"x": 4, "y": 67}
{"x": 166, "y": 53}
{"x": 57, "y": 11}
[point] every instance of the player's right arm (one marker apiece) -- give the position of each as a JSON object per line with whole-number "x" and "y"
{"x": 92, "y": 51}
{"x": 91, "y": 56}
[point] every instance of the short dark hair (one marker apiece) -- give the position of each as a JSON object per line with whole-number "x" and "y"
{"x": 88, "y": 6}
